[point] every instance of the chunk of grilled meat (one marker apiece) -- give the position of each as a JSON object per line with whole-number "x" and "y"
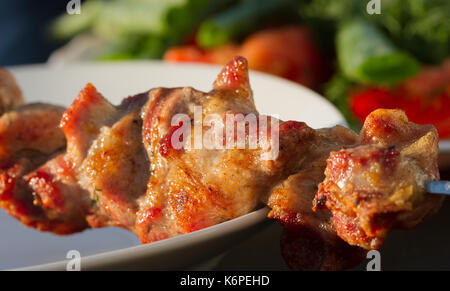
{"x": 29, "y": 136}
{"x": 309, "y": 240}
{"x": 186, "y": 191}
{"x": 380, "y": 184}
{"x": 106, "y": 155}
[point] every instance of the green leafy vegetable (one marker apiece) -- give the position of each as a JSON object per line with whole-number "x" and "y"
{"x": 241, "y": 20}
{"x": 420, "y": 27}
{"x": 137, "y": 28}
{"x": 366, "y": 55}
{"x": 67, "y": 26}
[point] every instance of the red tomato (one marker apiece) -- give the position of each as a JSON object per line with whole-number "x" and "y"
{"x": 288, "y": 52}
{"x": 425, "y": 98}
{"x": 188, "y": 53}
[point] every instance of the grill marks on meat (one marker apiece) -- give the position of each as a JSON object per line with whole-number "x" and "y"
{"x": 192, "y": 188}
{"x": 115, "y": 170}
{"x": 104, "y": 147}
{"x": 186, "y": 191}
{"x": 379, "y": 184}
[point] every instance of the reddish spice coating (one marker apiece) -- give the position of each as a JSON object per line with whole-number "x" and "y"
{"x": 149, "y": 215}
{"x": 7, "y": 184}
{"x": 233, "y": 75}
{"x": 165, "y": 145}
{"x": 42, "y": 182}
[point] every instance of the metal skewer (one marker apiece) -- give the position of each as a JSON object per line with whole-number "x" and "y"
{"x": 438, "y": 187}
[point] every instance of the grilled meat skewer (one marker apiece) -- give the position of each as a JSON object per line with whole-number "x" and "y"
{"x": 120, "y": 167}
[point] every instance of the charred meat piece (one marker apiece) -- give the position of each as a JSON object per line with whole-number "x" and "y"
{"x": 29, "y": 136}
{"x": 309, "y": 240}
{"x": 116, "y": 170}
{"x": 105, "y": 151}
{"x": 380, "y": 184}
{"x": 56, "y": 191}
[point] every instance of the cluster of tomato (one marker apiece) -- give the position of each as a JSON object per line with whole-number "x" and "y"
{"x": 289, "y": 52}
{"x": 425, "y": 98}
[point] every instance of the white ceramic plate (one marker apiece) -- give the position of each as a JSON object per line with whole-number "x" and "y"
{"x": 113, "y": 248}
{"x": 444, "y": 146}
{"x": 444, "y": 154}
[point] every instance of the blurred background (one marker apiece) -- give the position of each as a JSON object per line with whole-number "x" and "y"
{"x": 356, "y": 58}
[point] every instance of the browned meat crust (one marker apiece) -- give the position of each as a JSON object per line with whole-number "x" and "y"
{"x": 380, "y": 184}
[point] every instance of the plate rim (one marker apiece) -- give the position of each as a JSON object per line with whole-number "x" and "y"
{"x": 186, "y": 65}
{"x": 90, "y": 261}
